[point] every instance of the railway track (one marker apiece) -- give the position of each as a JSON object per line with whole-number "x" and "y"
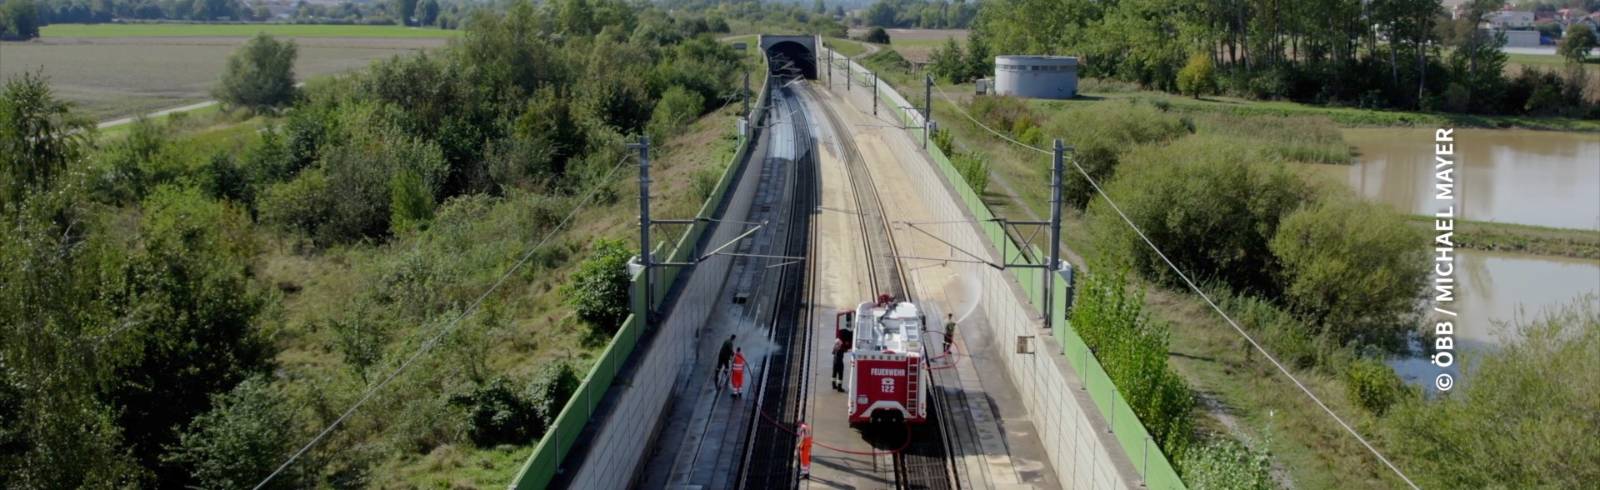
{"x": 782, "y": 384}
{"x": 781, "y": 389}
{"x": 925, "y": 461}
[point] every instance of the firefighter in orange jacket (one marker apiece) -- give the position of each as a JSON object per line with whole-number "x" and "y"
{"x": 803, "y": 450}
{"x": 737, "y": 374}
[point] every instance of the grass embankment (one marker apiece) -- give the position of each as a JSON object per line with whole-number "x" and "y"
{"x": 240, "y": 30}
{"x": 1507, "y": 237}
{"x": 1240, "y": 393}
{"x": 524, "y": 327}
{"x": 845, "y": 46}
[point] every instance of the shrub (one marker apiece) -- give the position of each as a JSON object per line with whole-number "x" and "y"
{"x": 360, "y": 340}
{"x": 676, "y": 109}
{"x": 187, "y": 291}
{"x": 1538, "y": 394}
{"x": 1211, "y": 206}
{"x": 1198, "y": 77}
{"x": 1373, "y": 385}
{"x": 1353, "y": 267}
{"x": 599, "y": 290}
{"x": 1109, "y": 316}
{"x": 944, "y": 141}
{"x": 974, "y": 169}
{"x": 259, "y": 75}
{"x": 222, "y": 179}
{"x": 300, "y": 205}
{"x": 410, "y": 202}
{"x": 550, "y": 390}
{"x": 877, "y": 36}
{"x": 240, "y": 440}
{"x": 131, "y": 166}
{"x": 497, "y": 415}
{"x": 1227, "y": 465}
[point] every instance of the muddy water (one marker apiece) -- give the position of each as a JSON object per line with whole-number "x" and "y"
{"x": 1540, "y": 178}
{"x": 1497, "y": 289}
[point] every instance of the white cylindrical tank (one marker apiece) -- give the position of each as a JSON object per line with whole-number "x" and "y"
{"x": 1039, "y": 77}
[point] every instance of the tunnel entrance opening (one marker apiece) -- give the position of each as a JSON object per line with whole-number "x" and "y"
{"x": 792, "y": 59}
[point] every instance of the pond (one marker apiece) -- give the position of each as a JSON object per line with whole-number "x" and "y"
{"x": 1498, "y": 289}
{"x": 1543, "y": 178}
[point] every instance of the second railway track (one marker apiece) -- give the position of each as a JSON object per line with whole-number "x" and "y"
{"x": 782, "y": 384}
{"x": 925, "y": 462}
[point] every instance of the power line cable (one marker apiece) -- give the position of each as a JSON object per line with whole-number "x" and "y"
{"x": 434, "y": 341}
{"x": 1197, "y": 290}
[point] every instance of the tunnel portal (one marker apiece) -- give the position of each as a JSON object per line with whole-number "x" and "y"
{"x": 791, "y": 55}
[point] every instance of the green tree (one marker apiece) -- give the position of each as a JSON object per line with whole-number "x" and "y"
{"x": 1198, "y": 77}
{"x": 550, "y": 390}
{"x": 19, "y": 19}
{"x": 259, "y": 75}
{"x": 405, "y": 10}
{"x": 1211, "y": 206}
{"x": 187, "y": 292}
{"x": 1577, "y": 43}
{"x": 576, "y": 17}
{"x": 980, "y": 60}
{"x": 676, "y": 109}
{"x": 428, "y": 13}
{"x": 599, "y": 290}
{"x": 60, "y": 339}
{"x": 1350, "y": 266}
{"x": 410, "y": 202}
{"x": 39, "y": 136}
{"x": 240, "y": 440}
{"x": 948, "y": 62}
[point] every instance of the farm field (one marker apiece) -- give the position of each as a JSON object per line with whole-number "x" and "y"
{"x": 917, "y": 44}
{"x": 239, "y": 30}
{"x": 111, "y": 77}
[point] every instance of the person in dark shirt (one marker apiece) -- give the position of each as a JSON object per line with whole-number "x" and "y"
{"x": 841, "y": 345}
{"x": 723, "y": 356}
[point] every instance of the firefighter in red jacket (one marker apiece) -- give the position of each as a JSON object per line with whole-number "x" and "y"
{"x": 737, "y": 374}
{"x": 802, "y": 450}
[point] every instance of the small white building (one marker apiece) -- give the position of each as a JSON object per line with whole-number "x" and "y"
{"x": 1522, "y": 39}
{"x": 1038, "y": 77}
{"x": 1511, "y": 19}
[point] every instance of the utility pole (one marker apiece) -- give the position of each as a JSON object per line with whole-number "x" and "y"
{"x": 1055, "y": 233}
{"x": 927, "y": 111}
{"x": 746, "y": 95}
{"x": 847, "y": 71}
{"x": 874, "y": 93}
{"x": 830, "y": 69}
{"x": 644, "y": 223}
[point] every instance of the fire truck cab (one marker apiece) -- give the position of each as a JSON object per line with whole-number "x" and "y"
{"x": 884, "y": 381}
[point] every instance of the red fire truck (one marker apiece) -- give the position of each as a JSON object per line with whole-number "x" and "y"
{"x": 884, "y": 376}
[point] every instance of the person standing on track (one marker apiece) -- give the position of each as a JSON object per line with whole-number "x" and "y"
{"x": 723, "y": 356}
{"x": 949, "y": 332}
{"x": 736, "y": 374}
{"x": 841, "y": 344}
{"x": 802, "y": 450}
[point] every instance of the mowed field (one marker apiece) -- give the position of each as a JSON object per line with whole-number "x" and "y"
{"x": 917, "y": 44}
{"x": 113, "y": 71}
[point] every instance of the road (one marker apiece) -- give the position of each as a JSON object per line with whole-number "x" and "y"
{"x": 164, "y": 112}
